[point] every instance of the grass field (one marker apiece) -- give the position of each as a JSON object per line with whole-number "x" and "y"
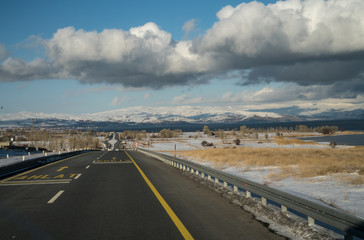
{"x": 295, "y": 162}
{"x": 287, "y": 141}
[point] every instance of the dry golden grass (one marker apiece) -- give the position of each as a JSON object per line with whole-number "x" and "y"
{"x": 285, "y": 141}
{"x": 4, "y": 143}
{"x": 296, "y": 162}
{"x": 351, "y": 133}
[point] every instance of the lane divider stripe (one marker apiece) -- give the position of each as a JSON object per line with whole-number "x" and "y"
{"x": 183, "y": 230}
{"x": 79, "y": 175}
{"x": 53, "y": 199}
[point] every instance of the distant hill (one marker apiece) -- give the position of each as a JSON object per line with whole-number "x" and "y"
{"x": 135, "y": 117}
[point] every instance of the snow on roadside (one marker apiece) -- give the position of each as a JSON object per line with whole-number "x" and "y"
{"x": 324, "y": 188}
{"x": 17, "y": 159}
{"x": 327, "y": 189}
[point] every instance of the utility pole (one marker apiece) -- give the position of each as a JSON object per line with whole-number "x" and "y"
{"x": 32, "y": 122}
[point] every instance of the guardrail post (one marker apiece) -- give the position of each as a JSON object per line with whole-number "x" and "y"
{"x": 283, "y": 209}
{"x": 209, "y": 177}
{"x": 248, "y": 194}
{"x": 23, "y": 158}
{"x": 317, "y": 211}
{"x": 310, "y": 221}
{"x": 7, "y": 155}
{"x": 29, "y": 153}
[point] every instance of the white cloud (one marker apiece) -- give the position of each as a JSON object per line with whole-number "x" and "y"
{"x": 307, "y": 108}
{"x": 311, "y": 27}
{"x": 116, "y": 101}
{"x": 3, "y": 52}
{"x": 147, "y": 95}
{"x": 111, "y": 45}
{"x": 289, "y": 92}
{"x": 300, "y": 41}
{"x": 188, "y": 27}
{"x": 186, "y": 99}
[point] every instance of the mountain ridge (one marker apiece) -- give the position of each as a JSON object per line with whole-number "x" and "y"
{"x": 185, "y": 114}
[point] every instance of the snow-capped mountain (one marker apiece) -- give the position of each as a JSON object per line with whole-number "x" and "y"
{"x": 186, "y": 114}
{"x": 189, "y": 114}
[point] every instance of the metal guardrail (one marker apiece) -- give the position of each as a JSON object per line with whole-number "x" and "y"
{"x": 349, "y": 224}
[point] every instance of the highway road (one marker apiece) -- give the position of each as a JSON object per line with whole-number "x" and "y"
{"x": 118, "y": 195}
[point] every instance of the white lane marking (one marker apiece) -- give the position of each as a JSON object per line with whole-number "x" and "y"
{"x": 79, "y": 175}
{"x": 87, "y": 166}
{"x": 53, "y": 199}
{"x": 31, "y": 183}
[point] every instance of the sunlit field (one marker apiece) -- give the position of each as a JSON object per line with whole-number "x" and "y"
{"x": 295, "y": 162}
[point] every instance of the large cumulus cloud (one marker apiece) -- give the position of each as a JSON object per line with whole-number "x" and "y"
{"x": 142, "y": 56}
{"x": 302, "y": 41}
{"x": 312, "y": 41}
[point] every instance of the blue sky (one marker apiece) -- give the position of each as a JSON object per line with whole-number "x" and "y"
{"x": 193, "y": 53}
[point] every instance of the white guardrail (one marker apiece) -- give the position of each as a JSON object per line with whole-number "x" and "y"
{"x": 349, "y": 224}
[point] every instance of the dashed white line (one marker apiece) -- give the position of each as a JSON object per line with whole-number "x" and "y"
{"x": 79, "y": 175}
{"x": 53, "y": 199}
{"x": 87, "y": 166}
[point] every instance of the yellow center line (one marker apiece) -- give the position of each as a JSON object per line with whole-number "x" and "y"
{"x": 32, "y": 170}
{"x": 183, "y": 230}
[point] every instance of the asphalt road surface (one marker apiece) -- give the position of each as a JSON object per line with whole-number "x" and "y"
{"x": 118, "y": 195}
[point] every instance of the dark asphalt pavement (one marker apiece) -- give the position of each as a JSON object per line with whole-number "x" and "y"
{"x": 102, "y": 195}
